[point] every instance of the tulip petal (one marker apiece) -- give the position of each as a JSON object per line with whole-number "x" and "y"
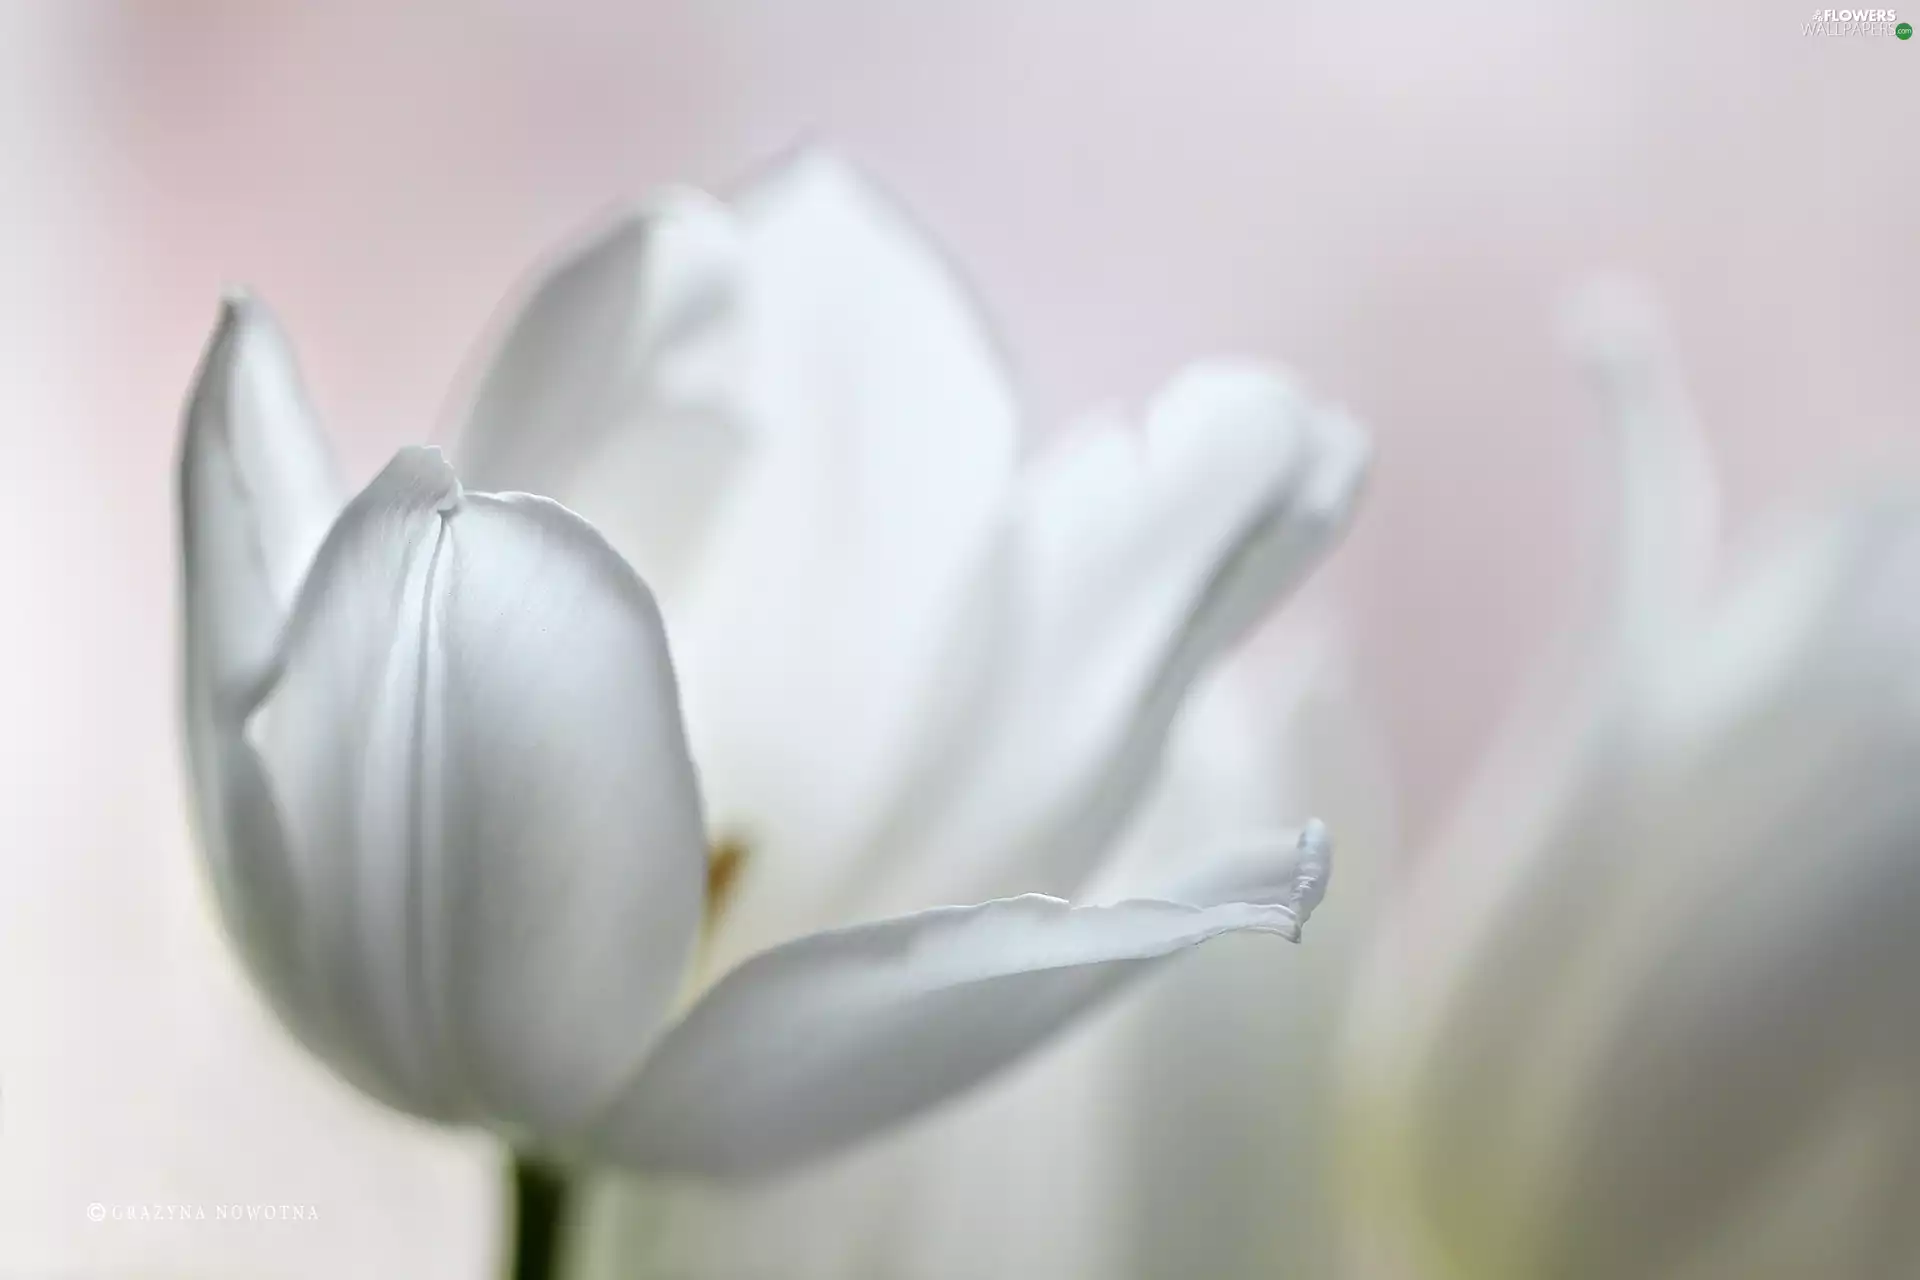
{"x": 1566, "y": 1096}
{"x": 1183, "y": 1133}
{"x": 819, "y": 1042}
{"x": 615, "y": 385}
{"x": 1770, "y": 968}
{"x": 475, "y": 745}
{"x": 1132, "y": 563}
{"x": 257, "y": 494}
{"x": 884, "y": 440}
{"x": 1668, "y": 499}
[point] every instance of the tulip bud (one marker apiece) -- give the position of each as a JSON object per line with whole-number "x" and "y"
{"x": 445, "y": 785}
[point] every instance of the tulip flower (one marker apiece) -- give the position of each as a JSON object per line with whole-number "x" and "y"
{"x": 1652, "y": 1015}
{"x": 440, "y": 767}
{"x": 788, "y": 416}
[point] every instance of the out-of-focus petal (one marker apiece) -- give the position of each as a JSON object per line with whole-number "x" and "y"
{"x": 1131, "y": 562}
{"x": 257, "y": 494}
{"x": 1668, "y": 501}
{"x": 1018, "y": 1180}
{"x": 1225, "y": 1066}
{"x": 820, "y": 1042}
{"x": 618, "y": 382}
{"x": 1655, "y": 563}
{"x": 492, "y": 820}
{"x": 1694, "y": 967}
{"x": 811, "y": 651}
{"x": 1769, "y": 859}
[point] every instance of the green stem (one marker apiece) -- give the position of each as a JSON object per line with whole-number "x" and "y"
{"x": 542, "y": 1199}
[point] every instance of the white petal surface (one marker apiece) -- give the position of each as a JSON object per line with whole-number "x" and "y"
{"x": 1018, "y": 1179}
{"x": 257, "y": 494}
{"x": 824, "y": 1040}
{"x": 1131, "y": 562}
{"x": 1182, "y": 1127}
{"x": 884, "y": 439}
{"x": 1775, "y": 883}
{"x": 1187, "y": 1132}
{"x": 1668, "y": 501}
{"x": 617, "y": 384}
{"x": 475, "y": 746}
{"x": 1698, "y": 964}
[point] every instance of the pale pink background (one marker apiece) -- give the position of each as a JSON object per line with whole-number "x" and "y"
{"x": 1389, "y": 197}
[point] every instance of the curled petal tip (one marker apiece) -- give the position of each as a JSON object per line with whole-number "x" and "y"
{"x": 1313, "y": 871}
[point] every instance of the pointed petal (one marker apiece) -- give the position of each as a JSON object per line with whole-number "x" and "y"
{"x": 884, "y": 446}
{"x": 1654, "y": 565}
{"x": 817, "y": 1043}
{"x": 616, "y": 385}
{"x": 1667, "y": 496}
{"x": 1132, "y": 564}
{"x": 476, "y": 749}
{"x": 257, "y": 493}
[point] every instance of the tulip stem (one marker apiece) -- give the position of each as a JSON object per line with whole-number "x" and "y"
{"x": 542, "y": 1196}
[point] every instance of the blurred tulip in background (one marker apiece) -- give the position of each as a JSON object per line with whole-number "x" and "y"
{"x": 1651, "y": 1012}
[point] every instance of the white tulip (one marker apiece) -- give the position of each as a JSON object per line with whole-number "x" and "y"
{"x": 1652, "y": 1014}
{"x": 435, "y": 735}
{"x": 440, "y": 771}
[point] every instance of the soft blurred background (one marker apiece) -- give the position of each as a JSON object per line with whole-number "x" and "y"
{"x": 1391, "y": 198}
